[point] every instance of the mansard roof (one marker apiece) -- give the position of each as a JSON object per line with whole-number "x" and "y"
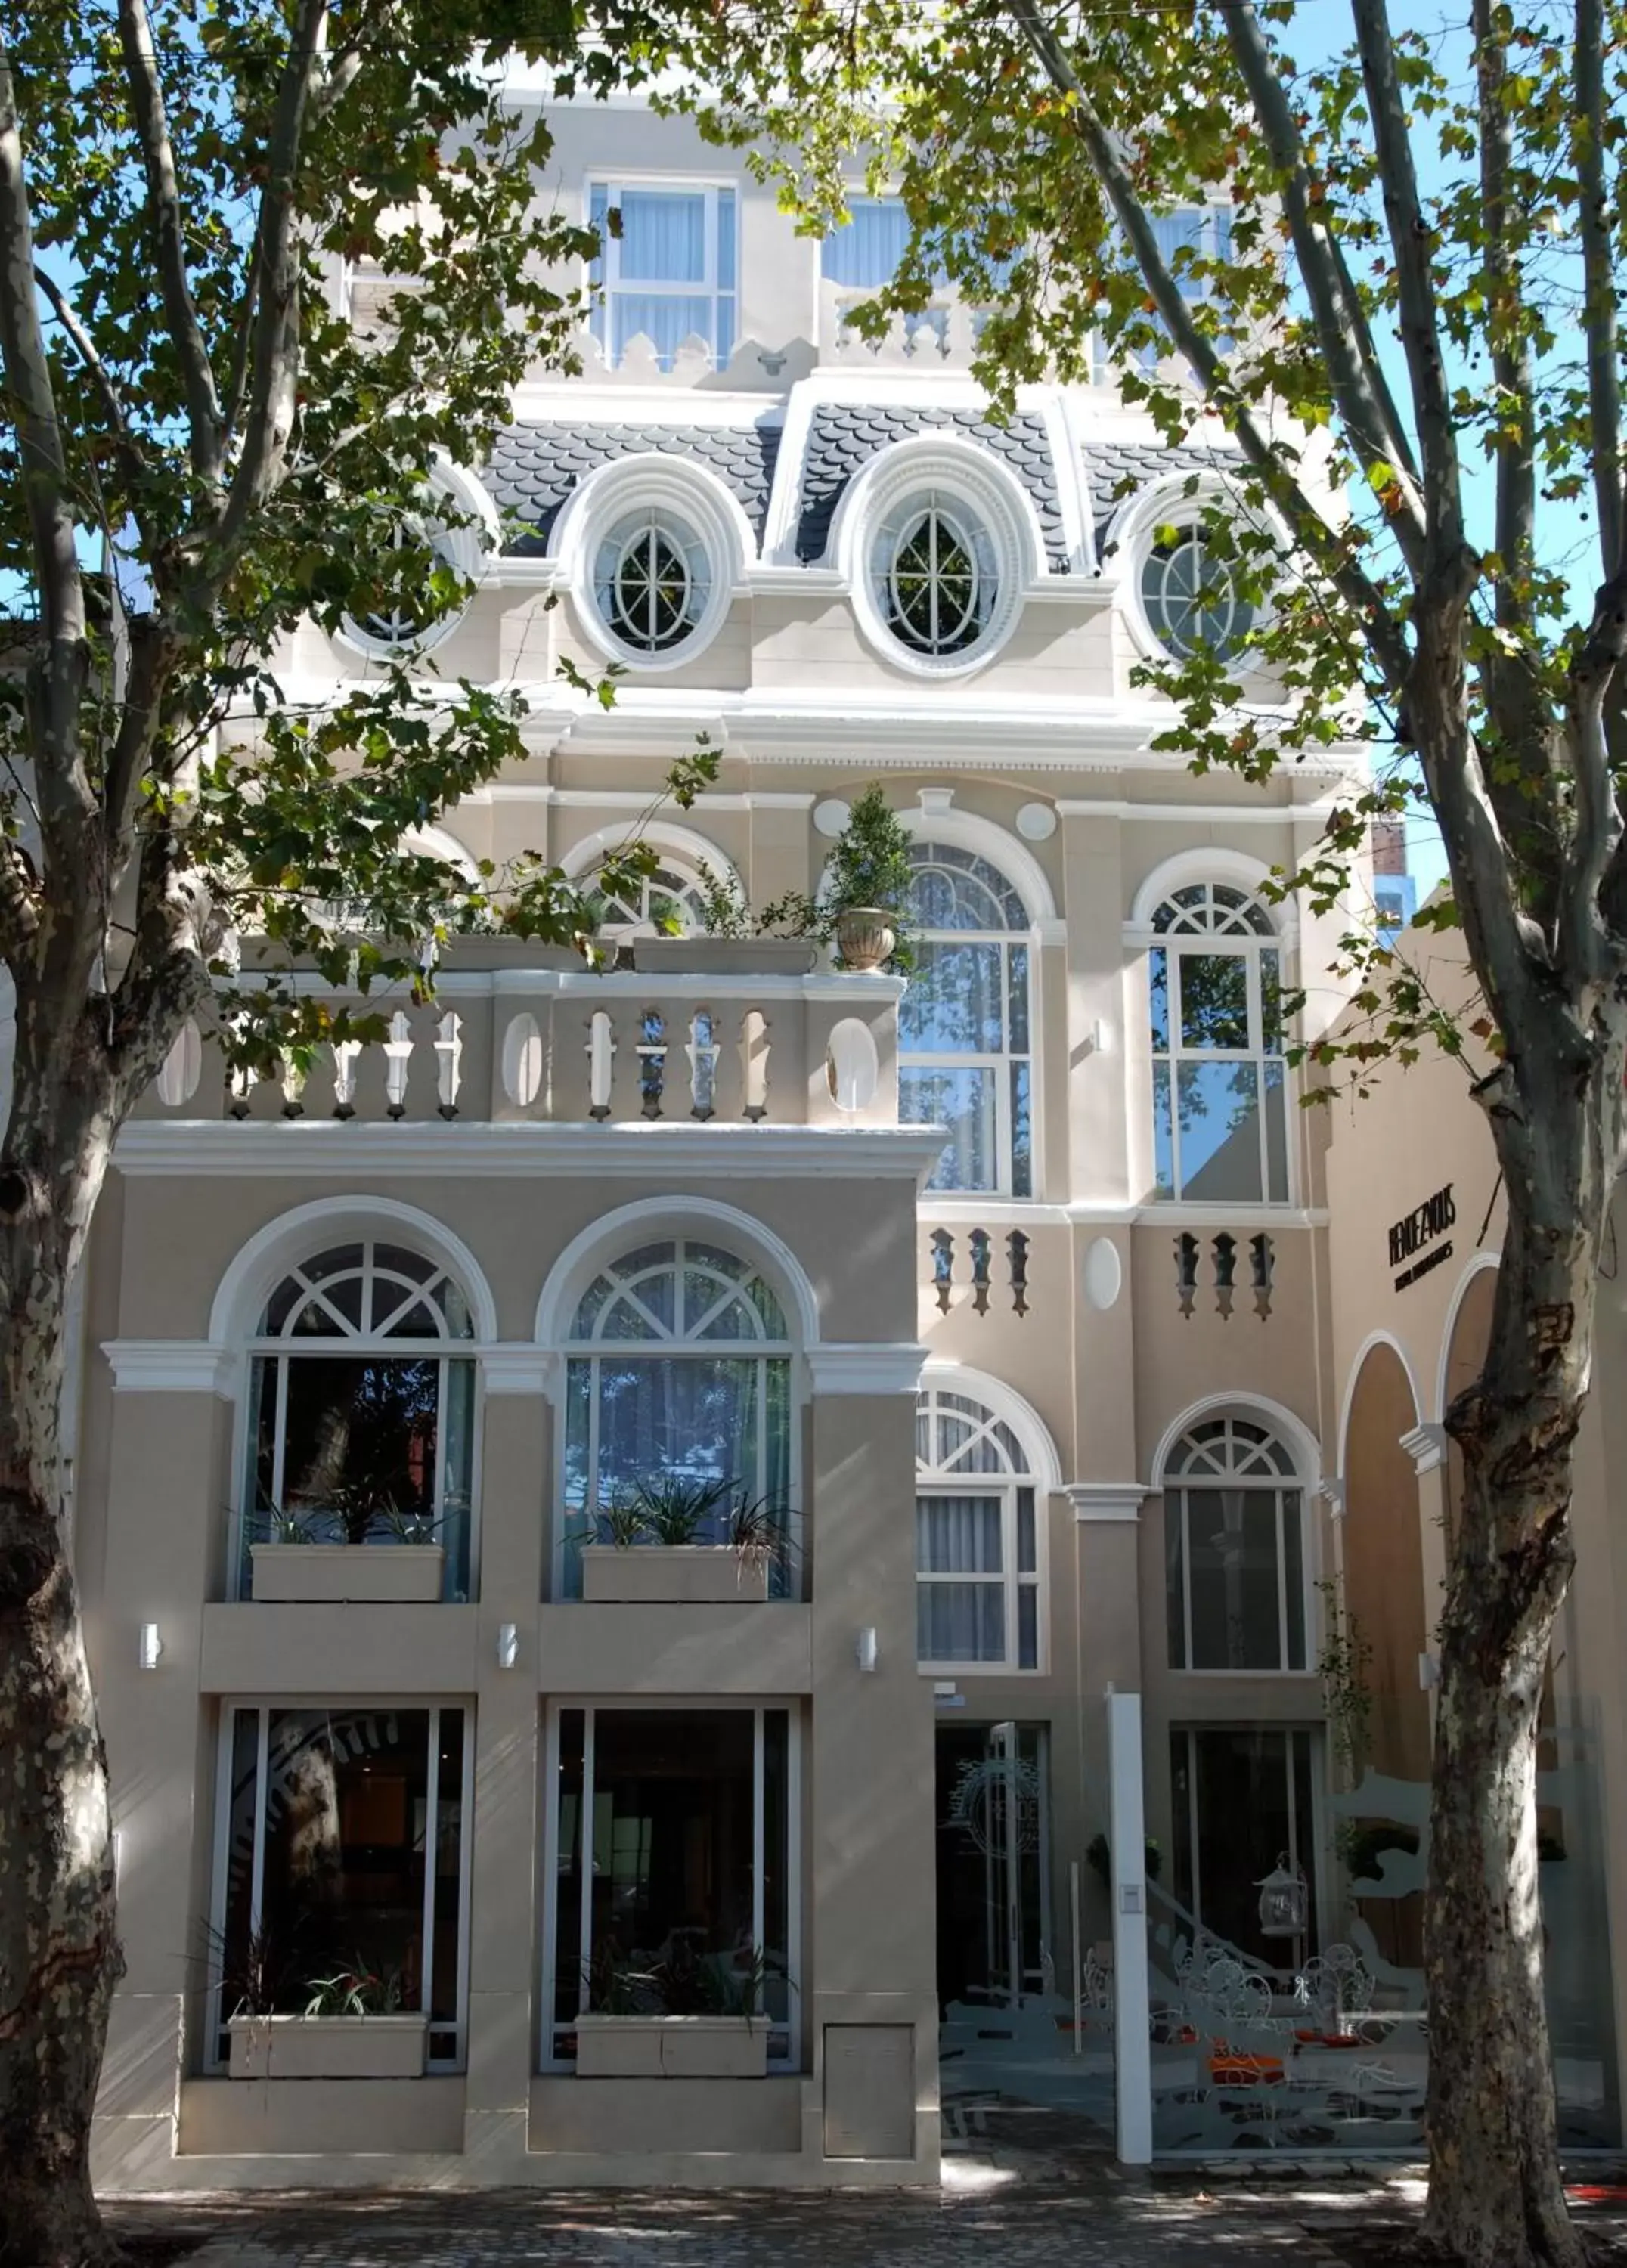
{"x": 1113, "y": 470}
{"x": 844, "y": 436}
{"x": 534, "y": 468}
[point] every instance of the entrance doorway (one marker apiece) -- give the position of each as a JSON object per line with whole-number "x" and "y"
{"x": 994, "y": 1935}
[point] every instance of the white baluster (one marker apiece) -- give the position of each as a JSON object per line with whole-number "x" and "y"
{"x": 601, "y": 1063}
{"x": 702, "y": 1053}
{"x": 345, "y": 1054}
{"x": 293, "y": 1085}
{"x": 448, "y": 1069}
{"x": 397, "y": 1062}
{"x": 242, "y": 1078}
{"x": 755, "y": 1063}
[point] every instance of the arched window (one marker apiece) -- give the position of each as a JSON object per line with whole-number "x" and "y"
{"x": 977, "y": 1541}
{"x": 651, "y": 579}
{"x": 667, "y": 903}
{"x": 1234, "y": 1549}
{"x": 361, "y": 1411}
{"x": 963, "y": 1023}
{"x": 679, "y": 1372}
{"x": 1220, "y": 1087}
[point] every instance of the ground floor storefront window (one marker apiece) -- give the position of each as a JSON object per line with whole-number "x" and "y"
{"x": 340, "y": 1876}
{"x": 1244, "y": 1799}
{"x": 672, "y": 1886}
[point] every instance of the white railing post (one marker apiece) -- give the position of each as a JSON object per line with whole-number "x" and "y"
{"x": 1133, "y": 2044}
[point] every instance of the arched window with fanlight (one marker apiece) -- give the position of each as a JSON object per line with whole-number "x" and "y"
{"x": 670, "y": 902}
{"x": 677, "y": 1379}
{"x": 964, "y": 1022}
{"x": 978, "y": 1538}
{"x": 361, "y": 1409}
{"x": 1234, "y": 1549}
{"x": 1220, "y": 1080}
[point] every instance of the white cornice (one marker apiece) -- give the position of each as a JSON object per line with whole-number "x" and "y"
{"x": 1106, "y": 1503}
{"x": 168, "y": 1365}
{"x": 1426, "y": 1445}
{"x": 1204, "y": 814}
{"x": 519, "y": 1367}
{"x": 882, "y": 1367}
{"x": 1331, "y": 1489}
{"x": 305, "y": 1148}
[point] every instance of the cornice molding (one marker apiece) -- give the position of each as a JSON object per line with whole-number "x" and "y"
{"x": 519, "y": 1367}
{"x": 1332, "y": 1488}
{"x": 662, "y": 1155}
{"x": 1426, "y": 1445}
{"x": 878, "y": 1366}
{"x": 169, "y": 1367}
{"x": 1106, "y": 1503}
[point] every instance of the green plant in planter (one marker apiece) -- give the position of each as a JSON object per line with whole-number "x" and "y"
{"x": 675, "y": 1509}
{"x": 686, "y": 1980}
{"x": 358, "y": 1990}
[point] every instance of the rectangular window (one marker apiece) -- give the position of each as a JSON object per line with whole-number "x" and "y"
{"x": 682, "y": 1901}
{"x": 1236, "y": 1578}
{"x": 866, "y": 251}
{"x": 1220, "y": 1093}
{"x": 977, "y": 1578}
{"x": 342, "y": 1859}
{"x": 1242, "y": 1797}
{"x": 667, "y": 267}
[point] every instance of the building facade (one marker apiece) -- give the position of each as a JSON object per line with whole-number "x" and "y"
{"x": 1006, "y": 1290}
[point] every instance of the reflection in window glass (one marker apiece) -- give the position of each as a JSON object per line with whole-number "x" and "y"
{"x": 1242, "y": 1799}
{"x": 964, "y": 1021}
{"x": 977, "y": 1547}
{"x": 344, "y": 1863}
{"x": 1219, "y": 1097}
{"x": 1234, "y": 1551}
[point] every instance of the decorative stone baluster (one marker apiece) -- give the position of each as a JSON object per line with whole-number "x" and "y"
{"x": 1017, "y": 1252}
{"x": 755, "y": 1046}
{"x": 703, "y": 1052}
{"x": 449, "y": 1063}
{"x": 346, "y": 1055}
{"x": 979, "y": 1241}
{"x": 601, "y": 1063}
{"x": 943, "y": 1267}
{"x": 1186, "y": 1270}
{"x": 1263, "y": 1261}
{"x": 653, "y": 1061}
{"x": 397, "y": 1063}
{"x": 1225, "y": 1272}
{"x": 293, "y": 1084}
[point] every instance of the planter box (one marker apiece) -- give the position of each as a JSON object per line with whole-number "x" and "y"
{"x": 725, "y": 956}
{"x": 672, "y": 2047}
{"x": 673, "y": 1574}
{"x": 328, "y": 2047}
{"x": 388, "y": 1574}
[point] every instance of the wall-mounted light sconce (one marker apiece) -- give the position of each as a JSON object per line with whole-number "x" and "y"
{"x": 867, "y": 1649}
{"x": 1100, "y": 1038}
{"x": 151, "y": 1646}
{"x": 508, "y": 1645}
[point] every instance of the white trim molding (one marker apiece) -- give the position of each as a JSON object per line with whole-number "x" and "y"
{"x": 986, "y": 838}
{"x": 169, "y": 1367}
{"x": 685, "y": 844}
{"x": 648, "y": 1218}
{"x": 305, "y": 1229}
{"x": 1426, "y": 1445}
{"x": 1207, "y": 863}
{"x": 1257, "y": 1409}
{"x": 1007, "y": 1404}
{"x": 1477, "y": 1266}
{"x": 1331, "y": 1488}
{"x": 870, "y": 1367}
{"x": 697, "y": 498}
{"x": 1106, "y": 1503}
{"x": 518, "y": 1367}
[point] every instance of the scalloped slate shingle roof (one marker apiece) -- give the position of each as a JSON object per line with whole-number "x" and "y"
{"x": 844, "y": 436}
{"x": 1109, "y": 466}
{"x": 534, "y": 468}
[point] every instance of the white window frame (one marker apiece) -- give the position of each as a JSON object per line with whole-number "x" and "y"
{"x": 790, "y": 2058}
{"x": 1001, "y": 1065}
{"x": 606, "y": 287}
{"x": 1249, "y": 945}
{"x": 934, "y": 1480}
{"x": 689, "y": 1348}
{"x": 348, "y": 1704}
{"x": 360, "y": 1346}
{"x": 1239, "y": 1478}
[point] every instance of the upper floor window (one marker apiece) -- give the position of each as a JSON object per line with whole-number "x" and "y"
{"x": 679, "y": 1373}
{"x": 1235, "y": 1549}
{"x": 667, "y": 903}
{"x": 1219, "y": 1094}
{"x": 667, "y": 267}
{"x": 1191, "y": 597}
{"x": 651, "y": 580}
{"x": 864, "y": 252}
{"x": 963, "y": 1030}
{"x": 361, "y": 1407}
{"x": 977, "y": 1568}
{"x": 936, "y": 575}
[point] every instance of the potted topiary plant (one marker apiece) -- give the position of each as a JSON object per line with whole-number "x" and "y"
{"x": 866, "y": 884}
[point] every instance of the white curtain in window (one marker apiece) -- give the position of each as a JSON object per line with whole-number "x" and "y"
{"x": 663, "y": 236}
{"x": 958, "y": 1534}
{"x": 867, "y": 250}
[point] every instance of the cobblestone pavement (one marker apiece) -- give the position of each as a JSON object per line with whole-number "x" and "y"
{"x": 1020, "y": 2190}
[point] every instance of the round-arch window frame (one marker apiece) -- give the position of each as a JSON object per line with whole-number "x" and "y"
{"x": 995, "y": 959}
{"x": 996, "y": 1514}
{"x": 1242, "y": 1462}
{"x": 370, "y": 1301}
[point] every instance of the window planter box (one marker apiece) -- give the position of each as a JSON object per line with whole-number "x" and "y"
{"x": 328, "y": 2047}
{"x": 672, "y": 1574}
{"x": 672, "y": 2047}
{"x": 388, "y": 1574}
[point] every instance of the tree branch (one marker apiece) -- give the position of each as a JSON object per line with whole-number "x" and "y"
{"x": 101, "y": 377}
{"x": 1593, "y": 879}
{"x": 56, "y": 677}
{"x": 1600, "y": 320}
{"x": 1511, "y": 353}
{"x": 1342, "y": 331}
{"x": 274, "y": 356}
{"x": 1386, "y": 638}
{"x": 141, "y": 68}
{"x": 1410, "y": 239}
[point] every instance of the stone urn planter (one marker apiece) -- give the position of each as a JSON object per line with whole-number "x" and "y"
{"x": 673, "y": 1574}
{"x": 328, "y": 2047}
{"x": 672, "y": 2047}
{"x": 865, "y": 937}
{"x": 378, "y": 1574}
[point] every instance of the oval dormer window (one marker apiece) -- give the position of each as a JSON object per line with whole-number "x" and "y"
{"x": 651, "y": 580}
{"x": 1192, "y": 599}
{"x": 935, "y": 575}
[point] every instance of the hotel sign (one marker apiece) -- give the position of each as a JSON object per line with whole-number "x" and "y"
{"x": 1417, "y": 1231}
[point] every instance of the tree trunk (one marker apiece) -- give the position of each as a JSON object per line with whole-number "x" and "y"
{"x": 59, "y": 1954}
{"x": 1496, "y": 2199}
